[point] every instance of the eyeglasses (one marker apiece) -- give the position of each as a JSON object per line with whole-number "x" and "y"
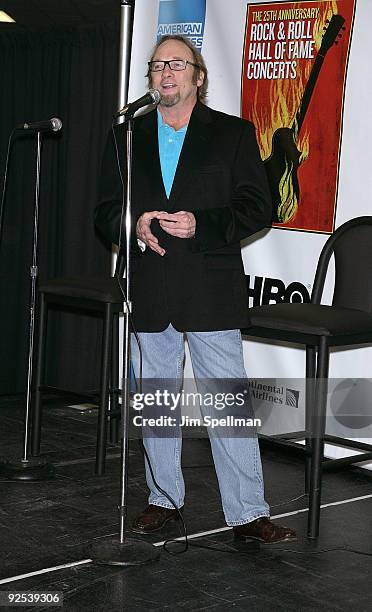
{"x": 158, "y": 66}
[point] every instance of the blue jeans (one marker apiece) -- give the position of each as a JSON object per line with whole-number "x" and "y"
{"x": 214, "y": 355}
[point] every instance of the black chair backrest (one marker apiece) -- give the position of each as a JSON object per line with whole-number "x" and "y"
{"x": 120, "y": 264}
{"x": 351, "y": 245}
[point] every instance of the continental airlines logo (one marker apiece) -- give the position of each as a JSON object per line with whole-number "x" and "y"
{"x": 274, "y": 394}
{"x": 185, "y": 17}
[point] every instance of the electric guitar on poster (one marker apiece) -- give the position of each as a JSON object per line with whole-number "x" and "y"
{"x": 282, "y": 165}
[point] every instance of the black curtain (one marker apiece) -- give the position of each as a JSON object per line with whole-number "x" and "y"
{"x": 71, "y": 74}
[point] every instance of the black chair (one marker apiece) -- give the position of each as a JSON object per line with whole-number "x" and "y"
{"x": 100, "y": 296}
{"x": 347, "y": 322}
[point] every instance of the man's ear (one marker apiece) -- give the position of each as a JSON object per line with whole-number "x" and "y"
{"x": 200, "y": 79}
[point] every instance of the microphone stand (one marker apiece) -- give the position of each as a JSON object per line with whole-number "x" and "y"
{"x": 122, "y": 550}
{"x": 30, "y": 468}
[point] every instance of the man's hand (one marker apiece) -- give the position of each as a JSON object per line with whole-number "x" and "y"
{"x": 144, "y": 233}
{"x": 181, "y": 224}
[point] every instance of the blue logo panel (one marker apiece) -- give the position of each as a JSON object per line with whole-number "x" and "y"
{"x": 185, "y": 17}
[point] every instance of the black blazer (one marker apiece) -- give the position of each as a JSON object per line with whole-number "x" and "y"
{"x": 199, "y": 284}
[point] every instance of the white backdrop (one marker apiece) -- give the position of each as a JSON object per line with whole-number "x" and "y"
{"x": 280, "y": 254}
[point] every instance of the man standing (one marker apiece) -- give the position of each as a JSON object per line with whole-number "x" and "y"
{"x": 198, "y": 188}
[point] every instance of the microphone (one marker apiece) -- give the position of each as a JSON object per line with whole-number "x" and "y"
{"x": 54, "y": 124}
{"x": 151, "y": 97}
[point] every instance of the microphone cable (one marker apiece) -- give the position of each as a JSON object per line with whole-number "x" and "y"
{"x": 122, "y": 187}
{"x": 5, "y": 184}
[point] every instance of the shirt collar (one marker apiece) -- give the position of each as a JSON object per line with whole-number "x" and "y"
{"x": 161, "y": 125}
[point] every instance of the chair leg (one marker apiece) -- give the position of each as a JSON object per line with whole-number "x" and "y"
{"x": 114, "y": 396}
{"x": 104, "y": 391}
{"x": 37, "y": 403}
{"x": 309, "y": 408}
{"x": 318, "y": 430}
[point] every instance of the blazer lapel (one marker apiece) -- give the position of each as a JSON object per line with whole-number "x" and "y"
{"x": 193, "y": 152}
{"x": 147, "y": 155}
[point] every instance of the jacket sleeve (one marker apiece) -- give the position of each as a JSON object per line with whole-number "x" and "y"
{"x": 250, "y": 209}
{"x": 108, "y": 212}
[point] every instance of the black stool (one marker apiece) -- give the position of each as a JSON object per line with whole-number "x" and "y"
{"x": 347, "y": 322}
{"x": 97, "y": 295}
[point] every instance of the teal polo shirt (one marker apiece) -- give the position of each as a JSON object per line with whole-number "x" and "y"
{"x": 170, "y": 145}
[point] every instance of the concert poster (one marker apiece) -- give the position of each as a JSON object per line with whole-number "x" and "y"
{"x": 293, "y": 81}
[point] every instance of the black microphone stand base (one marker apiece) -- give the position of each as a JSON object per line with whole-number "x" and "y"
{"x": 128, "y": 553}
{"x": 33, "y": 468}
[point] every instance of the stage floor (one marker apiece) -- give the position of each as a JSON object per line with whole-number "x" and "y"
{"x": 45, "y": 526}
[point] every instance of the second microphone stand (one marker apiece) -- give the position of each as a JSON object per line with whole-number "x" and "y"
{"x": 30, "y": 468}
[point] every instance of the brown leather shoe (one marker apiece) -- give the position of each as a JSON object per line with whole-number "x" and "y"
{"x": 263, "y": 530}
{"x": 153, "y": 518}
